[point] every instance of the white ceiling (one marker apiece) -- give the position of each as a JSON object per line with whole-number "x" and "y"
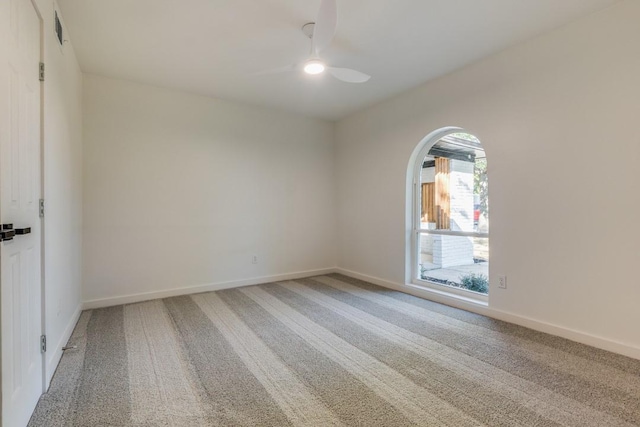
{"x": 212, "y": 47}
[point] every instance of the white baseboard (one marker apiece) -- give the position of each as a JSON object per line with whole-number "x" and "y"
{"x": 146, "y": 296}
{"x": 433, "y": 295}
{"x": 54, "y": 353}
{"x": 475, "y": 307}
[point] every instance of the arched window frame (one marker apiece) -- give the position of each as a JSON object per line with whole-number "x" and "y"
{"x": 414, "y": 179}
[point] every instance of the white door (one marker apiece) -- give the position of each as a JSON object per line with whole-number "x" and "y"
{"x": 20, "y": 272}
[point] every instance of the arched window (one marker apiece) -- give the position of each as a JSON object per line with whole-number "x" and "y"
{"x": 450, "y": 214}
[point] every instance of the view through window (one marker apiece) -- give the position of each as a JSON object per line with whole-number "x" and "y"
{"x": 453, "y": 224}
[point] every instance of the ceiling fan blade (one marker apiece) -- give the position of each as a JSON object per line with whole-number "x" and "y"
{"x": 276, "y": 70}
{"x": 325, "y": 26}
{"x": 348, "y": 75}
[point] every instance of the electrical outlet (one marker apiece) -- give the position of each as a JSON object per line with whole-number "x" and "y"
{"x": 254, "y": 259}
{"x": 502, "y": 282}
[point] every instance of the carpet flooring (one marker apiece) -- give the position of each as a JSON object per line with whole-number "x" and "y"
{"x": 328, "y": 351}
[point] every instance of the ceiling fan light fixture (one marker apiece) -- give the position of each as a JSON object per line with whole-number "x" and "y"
{"x": 314, "y": 66}
{"x": 321, "y": 34}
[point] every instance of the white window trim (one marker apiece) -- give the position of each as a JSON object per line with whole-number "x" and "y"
{"x": 416, "y": 226}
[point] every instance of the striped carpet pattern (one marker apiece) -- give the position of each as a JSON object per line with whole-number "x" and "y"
{"x": 328, "y": 351}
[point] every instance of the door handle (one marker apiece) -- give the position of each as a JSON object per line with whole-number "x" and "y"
{"x": 6, "y": 235}
{"x": 7, "y": 232}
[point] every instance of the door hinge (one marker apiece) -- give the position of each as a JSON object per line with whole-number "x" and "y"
{"x": 41, "y": 208}
{"x": 41, "y": 71}
{"x": 43, "y": 343}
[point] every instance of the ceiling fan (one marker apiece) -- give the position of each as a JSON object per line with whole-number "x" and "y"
{"x": 321, "y": 34}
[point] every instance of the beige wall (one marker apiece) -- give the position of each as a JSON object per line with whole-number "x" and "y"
{"x": 182, "y": 191}
{"x": 557, "y": 119}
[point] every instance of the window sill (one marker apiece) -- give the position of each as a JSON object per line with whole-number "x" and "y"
{"x": 448, "y": 292}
